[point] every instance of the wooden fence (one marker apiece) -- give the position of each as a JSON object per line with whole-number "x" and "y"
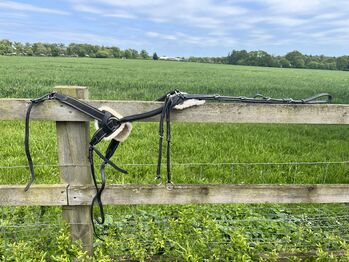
{"x": 75, "y": 192}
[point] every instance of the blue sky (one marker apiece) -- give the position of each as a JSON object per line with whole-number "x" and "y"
{"x": 183, "y": 27}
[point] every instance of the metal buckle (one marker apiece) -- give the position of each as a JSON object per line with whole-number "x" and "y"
{"x": 169, "y": 185}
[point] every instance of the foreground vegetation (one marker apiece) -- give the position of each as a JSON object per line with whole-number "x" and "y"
{"x": 185, "y": 233}
{"x": 201, "y": 154}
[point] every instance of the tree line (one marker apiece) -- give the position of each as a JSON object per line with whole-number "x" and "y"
{"x": 294, "y": 59}
{"x": 73, "y": 50}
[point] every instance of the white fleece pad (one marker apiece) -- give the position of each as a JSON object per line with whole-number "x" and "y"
{"x": 189, "y": 103}
{"x": 120, "y": 134}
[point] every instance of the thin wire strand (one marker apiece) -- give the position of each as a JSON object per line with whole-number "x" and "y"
{"x": 244, "y": 163}
{"x": 42, "y": 165}
{"x": 196, "y": 164}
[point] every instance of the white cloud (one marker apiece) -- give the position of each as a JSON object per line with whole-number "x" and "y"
{"x": 61, "y": 35}
{"x": 12, "y": 15}
{"x": 210, "y": 40}
{"x": 152, "y": 34}
{"x": 103, "y": 12}
{"x": 87, "y": 8}
{"x": 202, "y": 14}
{"x": 121, "y": 15}
{"x": 161, "y": 36}
{"x": 229, "y": 22}
{"x": 31, "y": 8}
{"x": 133, "y": 3}
{"x": 294, "y": 6}
{"x": 248, "y": 24}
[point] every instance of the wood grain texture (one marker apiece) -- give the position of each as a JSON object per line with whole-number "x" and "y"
{"x": 73, "y": 139}
{"x": 208, "y": 113}
{"x": 55, "y": 195}
{"x": 43, "y": 195}
{"x": 212, "y": 194}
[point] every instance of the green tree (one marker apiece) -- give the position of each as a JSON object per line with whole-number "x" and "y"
{"x": 115, "y": 52}
{"x": 62, "y": 49}
{"x": 39, "y": 49}
{"x": 128, "y": 54}
{"x": 298, "y": 62}
{"x": 144, "y": 54}
{"x": 284, "y": 62}
{"x": 253, "y": 58}
{"x": 342, "y": 63}
{"x": 77, "y": 50}
{"x": 264, "y": 59}
{"x": 102, "y": 54}
{"x": 55, "y": 50}
{"x": 28, "y": 50}
{"x": 296, "y": 58}
{"x": 238, "y": 57}
{"x": 275, "y": 62}
{"x": 331, "y": 66}
{"x": 134, "y": 53}
{"x": 6, "y": 47}
{"x": 155, "y": 56}
{"x": 19, "y": 48}
{"x": 313, "y": 65}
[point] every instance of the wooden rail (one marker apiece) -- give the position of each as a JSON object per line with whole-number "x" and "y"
{"x": 14, "y": 109}
{"x": 75, "y": 193}
{"x": 65, "y": 195}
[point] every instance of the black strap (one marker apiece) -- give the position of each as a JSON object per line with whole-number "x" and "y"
{"x": 107, "y": 159}
{"x": 171, "y": 100}
{"x": 80, "y": 105}
{"x": 97, "y": 199}
{"x": 323, "y": 98}
{"x": 27, "y": 150}
{"x": 26, "y": 136}
{"x": 109, "y": 124}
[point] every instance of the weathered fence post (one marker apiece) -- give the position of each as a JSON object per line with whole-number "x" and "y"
{"x": 73, "y": 139}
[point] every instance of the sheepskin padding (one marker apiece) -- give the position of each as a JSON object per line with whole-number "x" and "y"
{"x": 189, "y": 103}
{"x": 120, "y": 134}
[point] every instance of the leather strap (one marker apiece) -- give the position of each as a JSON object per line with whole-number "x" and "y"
{"x": 109, "y": 124}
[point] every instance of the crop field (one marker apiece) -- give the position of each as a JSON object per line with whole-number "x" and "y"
{"x": 201, "y": 153}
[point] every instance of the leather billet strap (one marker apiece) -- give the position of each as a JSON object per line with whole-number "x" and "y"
{"x": 26, "y": 136}
{"x": 322, "y": 98}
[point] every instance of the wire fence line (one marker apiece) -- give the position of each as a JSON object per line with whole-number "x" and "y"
{"x": 40, "y": 165}
{"x": 196, "y": 164}
{"x": 256, "y": 218}
{"x": 297, "y": 213}
{"x": 267, "y": 227}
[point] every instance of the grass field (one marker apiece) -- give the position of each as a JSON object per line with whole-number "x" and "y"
{"x": 164, "y": 230}
{"x": 147, "y": 80}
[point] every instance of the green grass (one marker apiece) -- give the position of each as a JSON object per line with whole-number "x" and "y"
{"x": 147, "y": 80}
{"x": 198, "y": 151}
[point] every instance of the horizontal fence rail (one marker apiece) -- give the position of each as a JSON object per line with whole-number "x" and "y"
{"x": 65, "y": 195}
{"x": 14, "y": 109}
{"x": 75, "y": 192}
